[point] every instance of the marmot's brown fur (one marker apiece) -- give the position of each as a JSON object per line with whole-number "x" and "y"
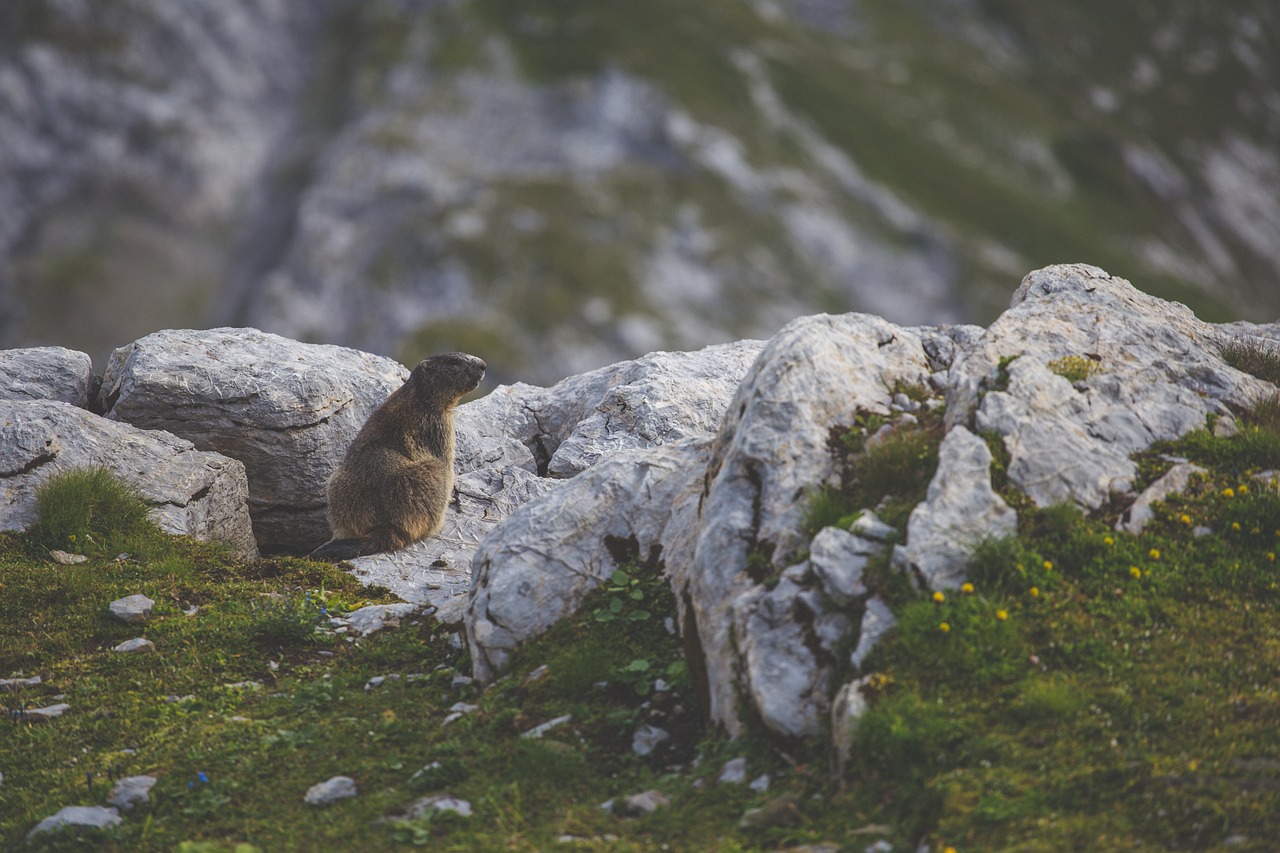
{"x": 397, "y": 477}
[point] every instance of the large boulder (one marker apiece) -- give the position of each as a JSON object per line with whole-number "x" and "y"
{"x": 191, "y": 492}
{"x": 47, "y": 373}
{"x": 1158, "y": 372}
{"x": 285, "y": 409}
{"x": 770, "y": 452}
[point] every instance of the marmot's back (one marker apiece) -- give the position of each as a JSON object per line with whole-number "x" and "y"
{"x": 397, "y": 477}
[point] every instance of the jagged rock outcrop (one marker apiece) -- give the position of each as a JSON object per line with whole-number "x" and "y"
{"x": 286, "y": 410}
{"x": 1159, "y": 372}
{"x": 763, "y": 608}
{"x": 47, "y": 373}
{"x": 191, "y": 492}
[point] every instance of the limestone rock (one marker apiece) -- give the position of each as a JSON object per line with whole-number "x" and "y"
{"x": 959, "y": 510}
{"x": 133, "y": 609}
{"x": 49, "y": 712}
{"x": 782, "y": 676}
{"x": 191, "y": 492}
{"x": 375, "y": 617}
{"x": 284, "y": 409}
{"x": 877, "y": 620}
{"x": 47, "y": 373}
{"x": 330, "y": 791}
{"x": 131, "y": 791}
{"x": 641, "y": 804}
{"x": 78, "y": 818}
{"x": 1174, "y": 481}
{"x": 138, "y": 645}
{"x": 771, "y": 449}
{"x": 1160, "y": 374}
{"x": 536, "y": 566}
{"x": 655, "y": 400}
{"x": 66, "y": 558}
{"x": 838, "y": 558}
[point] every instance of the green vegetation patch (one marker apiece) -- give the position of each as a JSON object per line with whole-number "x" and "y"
{"x": 1253, "y": 356}
{"x": 1089, "y": 689}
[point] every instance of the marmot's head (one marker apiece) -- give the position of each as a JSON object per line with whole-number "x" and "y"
{"x": 444, "y": 378}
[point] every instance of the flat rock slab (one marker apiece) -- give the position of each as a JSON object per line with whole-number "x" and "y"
{"x": 331, "y": 790}
{"x": 78, "y": 818}
{"x": 133, "y": 609}
{"x": 47, "y": 373}
{"x": 286, "y": 410}
{"x": 191, "y": 492}
{"x": 131, "y": 791}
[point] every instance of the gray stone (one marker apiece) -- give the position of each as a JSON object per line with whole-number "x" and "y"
{"x": 734, "y": 772}
{"x": 138, "y": 645}
{"x": 847, "y": 709}
{"x": 1174, "y": 481}
{"x": 642, "y": 804}
{"x": 78, "y": 818}
{"x": 131, "y": 791}
{"x": 284, "y": 409}
{"x": 330, "y": 791}
{"x": 838, "y": 557}
{"x": 959, "y": 511}
{"x": 877, "y": 620}
{"x": 648, "y": 738}
{"x": 49, "y": 712}
{"x": 542, "y": 728}
{"x": 539, "y": 563}
{"x": 133, "y": 609}
{"x": 15, "y": 684}
{"x": 1161, "y": 374}
{"x": 761, "y": 783}
{"x": 869, "y": 526}
{"x": 191, "y": 492}
{"x": 66, "y": 558}
{"x": 780, "y": 675}
{"x": 434, "y": 804}
{"x": 375, "y": 617}
{"x": 46, "y": 373}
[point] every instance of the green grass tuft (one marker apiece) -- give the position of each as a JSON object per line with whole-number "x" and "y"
{"x": 91, "y": 511}
{"x": 1253, "y": 356}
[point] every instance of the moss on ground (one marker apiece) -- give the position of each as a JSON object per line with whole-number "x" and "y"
{"x": 1091, "y": 690}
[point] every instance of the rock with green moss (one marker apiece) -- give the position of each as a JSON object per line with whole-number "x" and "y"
{"x": 191, "y": 492}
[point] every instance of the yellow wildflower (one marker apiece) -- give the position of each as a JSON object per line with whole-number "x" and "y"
{"x": 1271, "y": 556}
{"x": 1185, "y": 519}
{"x": 938, "y": 597}
{"x": 1002, "y": 615}
{"x": 967, "y": 589}
{"x": 944, "y": 627}
{"x": 1134, "y": 571}
{"x": 1154, "y": 553}
{"x": 1244, "y": 490}
{"x": 1048, "y": 566}
{"x": 1235, "y": 525}
{"x": 1228, "y": 492}
{"x": 1035, "y": 591}
{"x": 1108, "y": 541}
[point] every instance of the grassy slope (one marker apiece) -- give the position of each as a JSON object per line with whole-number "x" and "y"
{"x": 1094, "y": 691}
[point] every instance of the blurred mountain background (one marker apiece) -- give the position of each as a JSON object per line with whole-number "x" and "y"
{"x": 558, "y": 184}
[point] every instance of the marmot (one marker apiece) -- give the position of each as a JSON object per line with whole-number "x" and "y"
{"x": 397, "y": 477}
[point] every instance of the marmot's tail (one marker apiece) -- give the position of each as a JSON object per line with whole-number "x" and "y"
{"x": 341, "y": 549}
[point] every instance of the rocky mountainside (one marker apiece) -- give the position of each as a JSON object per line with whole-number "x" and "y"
{"x": 559, "y": 185}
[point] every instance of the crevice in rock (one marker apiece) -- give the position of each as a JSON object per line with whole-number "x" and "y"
{"x": 694, "y": 656}
{"x": 42, "y": 459}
